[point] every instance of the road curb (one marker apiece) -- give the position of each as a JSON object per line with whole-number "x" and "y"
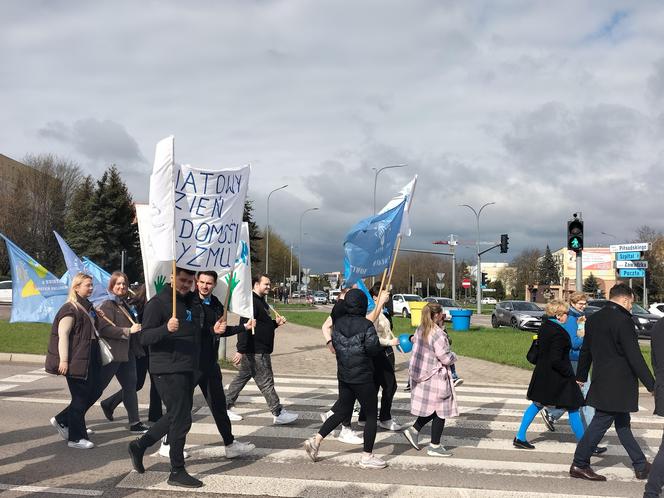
{"x": 22, "y": 358}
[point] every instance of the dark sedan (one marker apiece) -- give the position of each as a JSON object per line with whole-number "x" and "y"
{"x": 643, "y": 321}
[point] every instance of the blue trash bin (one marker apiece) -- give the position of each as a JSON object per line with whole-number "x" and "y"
{"x": 461, "y": 319}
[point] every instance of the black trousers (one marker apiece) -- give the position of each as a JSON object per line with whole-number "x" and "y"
{"x": 337, "y": 406}
{"x": 598, "y": 426}
{"x": 155, "y": 411}
{"x": 212, "y": 387}
{"x": 83, "y": 396}
{"x": 177, "y": 391}
{"x": 348, "y": 393}
{"x": 437, "y": 426}
{"x": 384, "y": 378}
{"x": 656, "y": 476}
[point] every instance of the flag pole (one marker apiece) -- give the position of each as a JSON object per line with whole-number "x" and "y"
{"x": 174, "y": 252}
{"x": 173, "y": 286}
{"x": 394, "y": 262}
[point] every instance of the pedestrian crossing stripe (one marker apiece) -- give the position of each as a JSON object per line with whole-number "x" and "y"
{"x": 306, "y": 488}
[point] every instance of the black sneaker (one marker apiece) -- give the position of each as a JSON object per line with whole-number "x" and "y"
{"x": 108, "y": 411}
{"x": 183, "y": 479}
{"x": 548, "y": 420}
{"x": 136, "y": 455}
{"x": 599, "y": 450}
{"x": 407, "y": 388}
{"x": 139, "y": 428}
{"x": 524, "y": 445}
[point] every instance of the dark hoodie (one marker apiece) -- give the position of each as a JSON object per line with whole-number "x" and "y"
{"x": 178, "y": 351}
{"x": 355, "y": 341}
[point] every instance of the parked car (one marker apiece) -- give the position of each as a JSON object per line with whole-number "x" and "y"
{"x": 522, "y": 315}
{"x": 656, "y": 309}
{"x": 6, "y": 291}
{"x": 643, "y": 320}
{"x": 447, "y": 304}
{"x": 489, "y": 300}
{"x": 400, "y": 304}
{"x": 334, "y": 295}
{"x": 320, "y": 297}
{"x": 295, "y": 295}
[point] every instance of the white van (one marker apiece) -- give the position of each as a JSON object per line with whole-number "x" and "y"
{"x": 334, "y": 296}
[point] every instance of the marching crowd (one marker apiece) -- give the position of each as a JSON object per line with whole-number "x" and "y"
{"x": 177, "y": 345}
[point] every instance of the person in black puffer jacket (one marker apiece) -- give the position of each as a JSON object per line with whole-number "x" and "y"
{"x": 355, "y": 341}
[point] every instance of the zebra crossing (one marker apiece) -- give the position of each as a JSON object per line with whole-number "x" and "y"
{"x": 484, "y": 462}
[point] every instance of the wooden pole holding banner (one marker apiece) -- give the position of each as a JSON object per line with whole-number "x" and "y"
{"x": 174, "y": 292}
{"x": 394, "y": 262}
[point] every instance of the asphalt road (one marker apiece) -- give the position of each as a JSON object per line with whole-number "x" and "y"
{"x": 34, "y": 460}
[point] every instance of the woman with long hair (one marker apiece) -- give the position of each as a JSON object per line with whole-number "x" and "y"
{"x": 73, "y": 351}
{"x": 136, "y": 304}
{"x": 432, "y": 395}
{"x": 119, "y": 327}
{"x": 553, "y": 382}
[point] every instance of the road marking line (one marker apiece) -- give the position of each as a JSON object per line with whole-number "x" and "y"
{"x": 6, "y": 387}
{"x": 23, "y": 378}
{"x": 243, "y": 431}
{"x": 49, "y": 489}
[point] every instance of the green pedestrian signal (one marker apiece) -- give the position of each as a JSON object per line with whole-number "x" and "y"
{"x": 575, "y": 234}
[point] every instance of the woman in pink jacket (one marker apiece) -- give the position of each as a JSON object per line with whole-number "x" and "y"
{"x": 432, "y": 397}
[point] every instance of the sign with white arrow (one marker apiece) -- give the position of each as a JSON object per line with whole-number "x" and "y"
{"x": 638, "y": 246}
{"x": 631, "y": 264}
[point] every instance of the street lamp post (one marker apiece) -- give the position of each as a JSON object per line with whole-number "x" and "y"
{"x": 478, "y": 287}
{"x": 299, "y": 259}
{"x": 267, "y": 227}
{"x": 377, "y": 171}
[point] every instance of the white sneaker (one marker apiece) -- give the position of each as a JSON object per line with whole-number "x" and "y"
{"x": 391, "y": 425}
{"x": 62, "y": 430}
{"x": 165, "y": 451}
{"x": 458, "y": 381}
{"x": 349, "y": 436}
{"x": 372, "y": 462}
{"x": 285, "y": 417}
{"x": 81, "y": 444}
{"x": 440, "y": 451}
{"x": 238, "y": 448}
{"x": 326, "y": 415}
{"x": 234, "y": 417}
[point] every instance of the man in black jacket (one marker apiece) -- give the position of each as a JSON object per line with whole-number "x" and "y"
{"x": 209, "y": 376}
{"x": 253, "y": 354}
{"x": 611, "y": 346}
{"x": 656, "y": 478}
{"x": 174, "y": 344}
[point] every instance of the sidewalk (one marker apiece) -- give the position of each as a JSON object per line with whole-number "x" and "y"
{"x": 300, "y": 350}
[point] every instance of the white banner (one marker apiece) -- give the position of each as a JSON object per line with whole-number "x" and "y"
{"x": 241, "y": 288}
{"x": 157, "y": 273}
{"x": 162, "y": 204}
{"x": 208, "y": 216}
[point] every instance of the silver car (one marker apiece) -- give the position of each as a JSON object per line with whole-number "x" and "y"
{"x": 522, "y": 315}
{"x": 447, "y": 304}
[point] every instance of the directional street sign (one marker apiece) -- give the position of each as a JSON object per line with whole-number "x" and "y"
{"x": 631, "y": 264}
{"x": 639, "y": 246}
{"x": 628, "y": 256}
{"x": 631, "y": 273}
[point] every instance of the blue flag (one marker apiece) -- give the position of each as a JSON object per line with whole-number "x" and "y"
{"x": 37, "y": 294}
{"x": 76, "y": 265}
{"x": 369, "y": 245}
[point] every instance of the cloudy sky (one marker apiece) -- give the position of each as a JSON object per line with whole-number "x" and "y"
{"x": 545, "y": 108}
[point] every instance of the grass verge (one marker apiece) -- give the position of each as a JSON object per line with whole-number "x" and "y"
{"x": 31, "y": 338}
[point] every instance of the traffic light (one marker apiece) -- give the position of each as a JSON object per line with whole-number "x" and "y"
{"x": 504, "y": 243}
{"x": 484, "y": 275}
{"x": 575, "y": 234}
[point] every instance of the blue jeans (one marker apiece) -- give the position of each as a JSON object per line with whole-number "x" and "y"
{"x": 587, "y": 412}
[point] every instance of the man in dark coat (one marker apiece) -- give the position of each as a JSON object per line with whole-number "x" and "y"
{"x": 174, "y": 344}
{"x": 254, "y": 354}
{"x": 612, "y": 348}
{"x": 656, "y": 478}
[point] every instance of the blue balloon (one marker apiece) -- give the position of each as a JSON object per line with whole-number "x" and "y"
{"x": 405, "y": 346}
